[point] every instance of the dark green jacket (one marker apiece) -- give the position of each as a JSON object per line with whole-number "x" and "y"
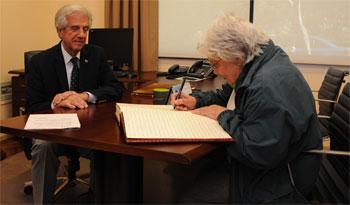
{"x": 274, "y": 123}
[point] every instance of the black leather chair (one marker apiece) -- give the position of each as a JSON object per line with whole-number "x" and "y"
{"x": 27, "y": 59}
{"x": 73, "y": 164}
{"x": 332, "y": 185}
{"x": 328, "y": 94}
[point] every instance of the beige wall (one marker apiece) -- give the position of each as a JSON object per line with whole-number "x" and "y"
{"x": 29, "y": 25}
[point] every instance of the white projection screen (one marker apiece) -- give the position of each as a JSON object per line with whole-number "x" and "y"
{"x": 310, "y": 31}
{"x": 182, "y": 22}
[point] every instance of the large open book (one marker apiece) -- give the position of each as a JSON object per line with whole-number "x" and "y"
{"x": 161, "y": 123}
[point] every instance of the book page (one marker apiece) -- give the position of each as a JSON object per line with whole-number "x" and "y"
{"x": 163, "y": 122}
{"x": 120, "y": 107}
{"x": 127, "y": 106}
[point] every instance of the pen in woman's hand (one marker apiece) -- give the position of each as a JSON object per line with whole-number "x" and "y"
{"x": 181, "y": 87}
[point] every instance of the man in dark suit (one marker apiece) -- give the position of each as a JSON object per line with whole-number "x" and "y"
{"x": 71, "y": 75}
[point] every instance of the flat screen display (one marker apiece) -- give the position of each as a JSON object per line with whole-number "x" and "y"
{"x": 117, "y": 43}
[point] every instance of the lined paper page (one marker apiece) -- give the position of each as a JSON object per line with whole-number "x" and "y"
{"x": 163, "y": 122}
{"x": 127, "y": 106}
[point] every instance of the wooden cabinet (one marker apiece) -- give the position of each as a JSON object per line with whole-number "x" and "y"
{"x": 18, "y": 92}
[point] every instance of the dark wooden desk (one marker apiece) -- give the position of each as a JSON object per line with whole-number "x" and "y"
{"x": 99, "y": 131}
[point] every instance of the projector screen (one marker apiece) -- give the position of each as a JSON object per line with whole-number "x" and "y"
{"x": 310, "y": 31}
{"x": 182, "y": 22}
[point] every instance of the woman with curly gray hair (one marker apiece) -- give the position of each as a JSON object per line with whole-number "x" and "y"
{"x": 268, "y": 108}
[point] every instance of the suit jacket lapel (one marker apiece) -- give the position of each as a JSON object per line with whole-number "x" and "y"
{"x": 60, "y": 67}
{"x": 84, "y": 66}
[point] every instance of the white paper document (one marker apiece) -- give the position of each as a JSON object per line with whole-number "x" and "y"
{"x": 186, "y": 89}
{"x": 52, "y": 121}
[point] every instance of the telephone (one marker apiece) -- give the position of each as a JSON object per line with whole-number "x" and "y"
{"x": 200, "y": 69}
{"x": 176, "y": 69}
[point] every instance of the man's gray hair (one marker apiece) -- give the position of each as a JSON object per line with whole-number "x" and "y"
{"x": 229, "y": 38}
{"x": 62, "y": 13}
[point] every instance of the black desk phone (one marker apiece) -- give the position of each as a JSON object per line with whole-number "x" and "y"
{"x": 176, "y": 69}
{"x": 199, "y": 69}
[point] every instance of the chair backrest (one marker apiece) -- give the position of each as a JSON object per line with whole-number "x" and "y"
{"x": 333, "y": 182}
{"x": 27, "y": 142}
{"x": 330, "y": 88}
{"x": 339, "y": 125}
{"x": 27, "y": 59}
{"x": 339, "y": 132}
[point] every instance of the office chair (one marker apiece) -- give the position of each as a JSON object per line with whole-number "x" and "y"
{"x": 72, "y": 154}
{"x": 27, "y": 59}
{"x": 328, "y": 94}
{"x": 332, "y": 185}
{"x": 63, "y": 182}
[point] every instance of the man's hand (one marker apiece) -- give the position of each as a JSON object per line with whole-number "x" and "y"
{"x": 186, "y": 102}
{"x": 61, "y": 96}
{"x": 74, "y": 100}
{"x": 211, "y": 111}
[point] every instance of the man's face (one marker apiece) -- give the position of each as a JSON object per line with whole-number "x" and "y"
{"x": 74, "y": 35}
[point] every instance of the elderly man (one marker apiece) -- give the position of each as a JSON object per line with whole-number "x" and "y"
{"x": 71, "y": 74}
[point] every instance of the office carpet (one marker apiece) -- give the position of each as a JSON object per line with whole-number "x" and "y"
{"x": 15, "y": 170}
{"x": 9, "y": 147}
{"x": 163, "y": 182}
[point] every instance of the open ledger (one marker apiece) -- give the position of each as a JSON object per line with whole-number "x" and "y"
{"x": 161, "y": 123}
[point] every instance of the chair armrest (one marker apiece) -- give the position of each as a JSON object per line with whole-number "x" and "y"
{"x": 324, "y": 116}
{"x": 324, "y": 100}
{"x": 328, "y": 152}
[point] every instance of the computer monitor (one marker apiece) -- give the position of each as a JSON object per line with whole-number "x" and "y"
{"x": 117, "y": 43}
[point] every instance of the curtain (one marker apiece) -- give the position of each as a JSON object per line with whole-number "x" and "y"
{"x": 142, "y": 16}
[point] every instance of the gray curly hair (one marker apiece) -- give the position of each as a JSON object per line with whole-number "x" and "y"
{"x": 62, "y": 13}
{"x": 229, "y": 38}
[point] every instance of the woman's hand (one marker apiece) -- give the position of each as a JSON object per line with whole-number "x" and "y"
{"x": 185, "y": 102}
{"x": 212, "y": 111}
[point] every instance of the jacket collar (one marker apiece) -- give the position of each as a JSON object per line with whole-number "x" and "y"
{"x": 253, "y": 66}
